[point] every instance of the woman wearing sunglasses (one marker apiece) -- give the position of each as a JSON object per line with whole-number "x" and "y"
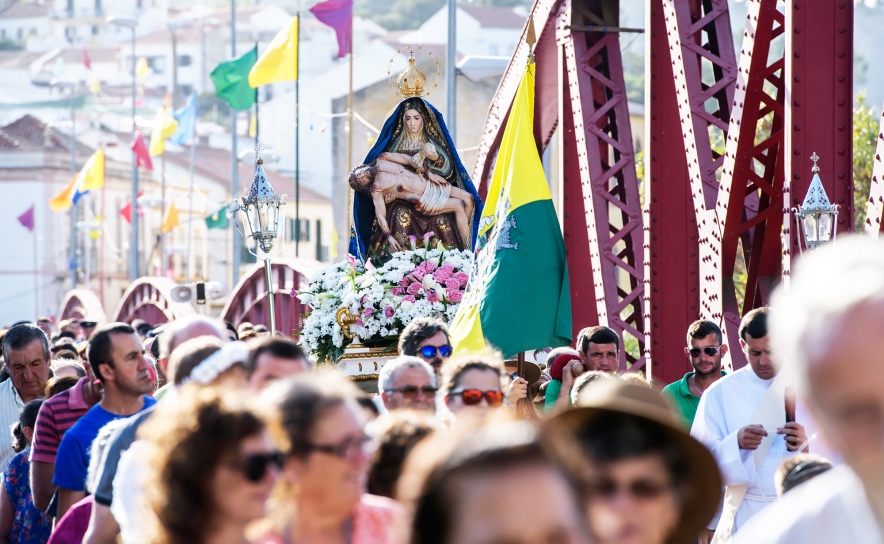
{"x": 473, "y": 385}
{"x": 321, "y": 497}
{"x": 645, "y": 480}
{"x": 213, "y": 467}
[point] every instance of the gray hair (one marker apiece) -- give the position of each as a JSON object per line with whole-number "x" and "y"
{"x": 173, "y": 333}
{"x": 385, "y": 379}
{"x": 826, "y": 286}
{"x": 20, "y": 336}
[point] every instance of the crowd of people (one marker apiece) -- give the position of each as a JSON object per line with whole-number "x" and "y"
{"x": 198, "y": 431}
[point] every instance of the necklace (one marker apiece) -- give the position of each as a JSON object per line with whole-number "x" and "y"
{"x": 694, "y": 381}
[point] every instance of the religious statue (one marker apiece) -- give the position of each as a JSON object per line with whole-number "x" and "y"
{"x": 433, "y": 194}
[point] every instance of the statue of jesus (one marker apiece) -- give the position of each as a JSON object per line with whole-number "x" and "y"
{"x": 430, "y": 193}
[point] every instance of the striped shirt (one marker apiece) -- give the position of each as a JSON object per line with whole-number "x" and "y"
{"x": 10, "y": 410}
{"x": 56, "y": 416}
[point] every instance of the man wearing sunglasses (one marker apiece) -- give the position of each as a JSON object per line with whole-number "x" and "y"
{"x": 704, "y": 352}
{"x": 427, "y": 339}
{"x": 408, "y": 383}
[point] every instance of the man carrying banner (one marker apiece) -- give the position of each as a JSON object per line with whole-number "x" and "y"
{"x": 740, "y": 419}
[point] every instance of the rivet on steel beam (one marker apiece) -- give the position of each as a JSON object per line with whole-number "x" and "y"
{"x": 841, "y": 103}
{"x": 796, "y": 152}
{"x": 693, "y": 306}
{"x": 797, "y": 79}
{"x": 797, "y": 5}
{"x": 797, "y": 54}
{"x": 797, "y": 30}
{"x": 797, "y": 128}
{"x": 841, "y": 55}
{"x": 840, "y": 79}
{"x": 840, "y": 151}
{"x": 840, "y": 176}
{"x": 656, "y": 361}
{"x": 841, "y": 30}
{"x": 797, "y": 103}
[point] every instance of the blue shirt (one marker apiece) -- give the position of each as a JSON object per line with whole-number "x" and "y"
{"x": 72, "y": 461}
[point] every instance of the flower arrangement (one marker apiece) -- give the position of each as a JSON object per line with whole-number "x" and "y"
{"x": 421, "y": 282}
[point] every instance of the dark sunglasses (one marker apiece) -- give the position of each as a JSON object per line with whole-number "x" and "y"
{"x": 410, "y": 391}
{"x": 254, "y": 467}
{"x": 708, "y": 350}
{"x": 344, "y": 449}
{"x": 430, "y": 351}
{"x": 472, "y": 397}
{"x": 638, "y": 489}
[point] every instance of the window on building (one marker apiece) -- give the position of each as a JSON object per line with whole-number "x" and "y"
{"x": 320, "y": 254}
{"x": 2, "y": 33}
{"x": 185, "y": 89}
{"x": 94, "y": 30}
{"x": 300, "y": 234}
{"x": 184, "y": 60}
{"x": 98, "y": 8}
{"x": 20, "y": 33}
{"x": 157, "y": 64}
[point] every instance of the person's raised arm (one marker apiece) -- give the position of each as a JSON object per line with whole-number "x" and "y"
{"x": 380, "y": 210}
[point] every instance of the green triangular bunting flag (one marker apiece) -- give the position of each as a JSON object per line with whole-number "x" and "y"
{"x": 231, "y": 80}
{"x": 218, "y": 220}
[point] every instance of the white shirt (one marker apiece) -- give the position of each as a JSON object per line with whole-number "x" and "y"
{"x": 129, "y": 507}
{"x": 827, "y": 509}
{"x": 10, "y": 410}
{"x": 725, "y": 408}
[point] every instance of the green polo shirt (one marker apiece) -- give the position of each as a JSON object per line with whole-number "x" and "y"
{"x": 682, "y": 400}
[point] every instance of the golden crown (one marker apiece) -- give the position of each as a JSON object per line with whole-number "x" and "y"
{"x": 411, "y": 82}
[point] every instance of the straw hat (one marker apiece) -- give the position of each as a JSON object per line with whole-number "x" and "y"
{"x": 703, "y": 484}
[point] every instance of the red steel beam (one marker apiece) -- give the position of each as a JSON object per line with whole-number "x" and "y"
{"x": 671, "y": 237}
{"x": 603, "y": 150}
{"x": 819, "y": 90}
{"x": 750, "y": 200}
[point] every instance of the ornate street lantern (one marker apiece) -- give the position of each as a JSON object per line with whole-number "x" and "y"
{"x": 816, "y": 216}
{"x": 261, "y": 211}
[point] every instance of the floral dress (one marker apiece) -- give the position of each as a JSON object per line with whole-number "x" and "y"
{"x": 29, "y": 524}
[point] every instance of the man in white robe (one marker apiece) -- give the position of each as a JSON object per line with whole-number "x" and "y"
{"x": 748, "y": 442}
{"x": 830, "y": 323}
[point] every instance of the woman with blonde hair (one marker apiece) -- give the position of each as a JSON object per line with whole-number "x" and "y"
{"x": 213, "y": 466}
{"x": 321, "y": 497}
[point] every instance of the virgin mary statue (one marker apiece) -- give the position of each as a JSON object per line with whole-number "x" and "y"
{"x": 415, "y": 136}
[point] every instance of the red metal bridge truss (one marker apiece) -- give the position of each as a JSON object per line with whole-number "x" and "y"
{"x": 729, "y": 136}
{"x": 248, "y": 300}
{"x": 150, "y": 299}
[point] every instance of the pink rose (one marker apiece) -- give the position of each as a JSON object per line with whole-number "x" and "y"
{"x": 409, "y": 298}
{"x": 453, "y": 295}
{"x": 414, "y": 289}
{"x": 452, "y": 283}
{"x": 462, "y": 277}
{"x": 368, "y": 312}
{"x": 432, "y": 296}
{"x": 397, "y": 291}
{"x": 389, "y": 311}
{"x": 442, "y": 275}
{"x": 429, "y": 266}
{"x": 418, "y": 274}
{"x": 404, "y": 282}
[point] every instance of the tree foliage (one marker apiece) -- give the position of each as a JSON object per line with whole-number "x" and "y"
{"x": 865, "y": 139}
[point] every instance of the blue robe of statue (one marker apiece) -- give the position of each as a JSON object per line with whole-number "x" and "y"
{"x": 361, "y": 229}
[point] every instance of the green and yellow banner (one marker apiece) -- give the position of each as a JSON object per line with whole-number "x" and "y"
{"x": 518, "y": 297}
